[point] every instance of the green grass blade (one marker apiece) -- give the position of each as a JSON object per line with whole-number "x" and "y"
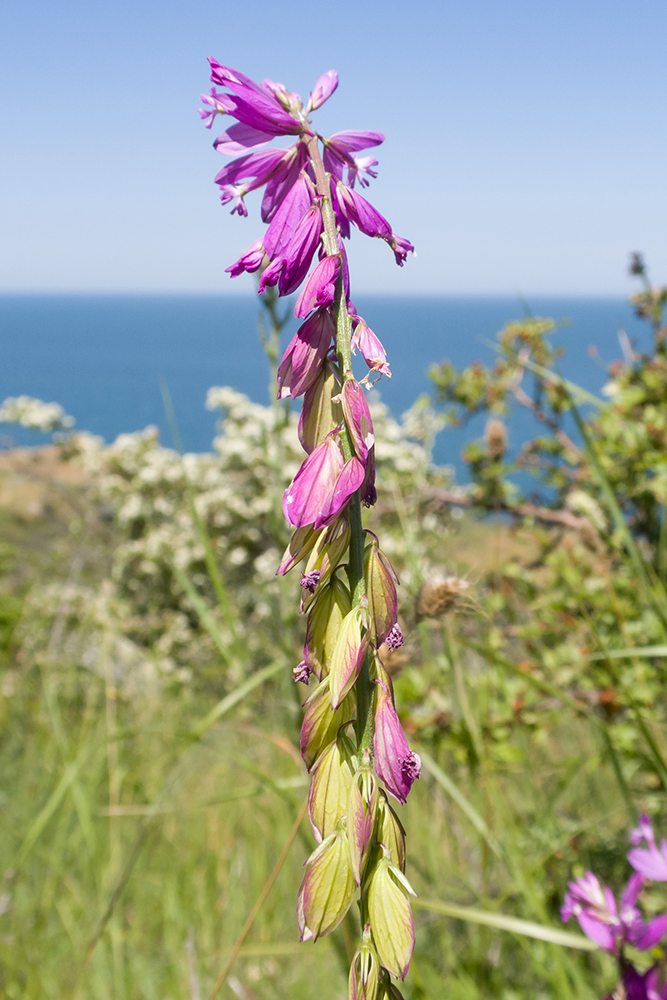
{"x": 52, "y": 804}
{"x": 626, "y": 654}
{"x": 527, "y": 928}
{"x": 205, "y": 616}
{"x": 234, "y": 697}
{"x": 462, "y": 802}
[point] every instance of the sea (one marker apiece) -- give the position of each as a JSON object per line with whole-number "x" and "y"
{"x": 103, "y": 357}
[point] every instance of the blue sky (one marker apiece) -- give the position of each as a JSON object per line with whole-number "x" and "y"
{"x": 526, "y": 142}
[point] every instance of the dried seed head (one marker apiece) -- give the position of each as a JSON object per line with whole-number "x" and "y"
{"x": 495, "y": 438}
{"x": 439, "y": 595}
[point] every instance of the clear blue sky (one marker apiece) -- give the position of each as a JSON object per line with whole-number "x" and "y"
{"x": 526, "y": 143}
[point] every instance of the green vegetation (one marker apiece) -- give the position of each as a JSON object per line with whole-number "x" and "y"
{"x": 149, "y": 751}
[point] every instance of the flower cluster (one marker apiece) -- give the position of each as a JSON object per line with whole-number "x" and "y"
{"x": 351, "y": 740}
{"x": 612, "y": 926}
{"x": 34, "y": 414}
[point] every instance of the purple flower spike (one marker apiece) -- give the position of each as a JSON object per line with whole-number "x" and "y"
{"x": 323, "y": 90}
{"x": 358, "y": 418}
{"x": 370, "y": 346}
{"x": 320, "y": 289}
{"x": 651, "y": 862}
{"x": 305, "y": 354}
{"x": 395, "y": 763}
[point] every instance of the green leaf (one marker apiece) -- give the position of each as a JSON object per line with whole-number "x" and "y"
{"x": 514, "y": 925}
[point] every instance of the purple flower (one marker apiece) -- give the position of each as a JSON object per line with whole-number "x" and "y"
{"x": 301, "y": 673}
{"x": 228, "y": 192}
{"x": 401, "y": 248}
{"x": 361, "y": 170}
{"x": 310, "y": 581}
{"x": 286, "y": 220}
{"x": 358, "y": 418}
{"x": 252, "y": 104}
{"x": 338, "y": 149}
{"x": 305, "y": 354}
{"x": 250, "y": 261}
{"x": 322, "y": 90}
{"x": 370, "y": 346}
{"x": 356, "y": 209}
{"x": 320, "y": 289}
{"x": 395, "y": 638}
{"x": 239, "y": 138}
{"x": 255, "y": 168}
{"x": 395, "y": 763}
{"x": 601, "y": 920}
{"x": 322, "y": 486}
{"x": 282, "y": 181}
{"x": 649, "y": 986}
{"x": 651, "y": 862}
{"x": 298, "y": 254}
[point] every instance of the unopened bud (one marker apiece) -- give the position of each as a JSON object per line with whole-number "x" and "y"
{"x": 330, "y": 786}
{"x": 300, "y": 544}
{"x": 327, "y": 889}
{"x": 324, "y": 624}
{"x": 357, "y": 418}
{"x": 390, "y": 916}
{"x": 365, "y": 971}
{"x": 381, "y": 590}
{"x": 326, "y": 554}
{"x": 348, "y": 654}
{"x": 390, "y": 832}
{"x": 319, "y": 415}
{"x": 320, "y": 725}
{"x": 361, "y": 807}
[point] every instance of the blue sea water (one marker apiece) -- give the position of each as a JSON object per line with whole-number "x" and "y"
{"x": 102, "y": 356}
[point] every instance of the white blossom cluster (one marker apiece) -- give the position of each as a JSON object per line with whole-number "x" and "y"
{"x": 34, "y": 414}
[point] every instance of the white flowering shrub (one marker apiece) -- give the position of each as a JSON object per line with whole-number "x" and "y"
{"x": 163, "y": 506}
{"x": 34, "y": 414}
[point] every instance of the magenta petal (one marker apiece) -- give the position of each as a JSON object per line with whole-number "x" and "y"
{"x": 347, "y": 483}
{"x": 602, "y": 934}
{"x": 240, "y": 138}
{"x": 323, "y": 89}
{"x": 258, "y": 165}
{"x": 305, "y": 354}
{"x": 320, "y": 289}
{"x": 631, "y": 893}
{"x": 311, "y": 490}
{"x": 651, "y": 863}
{"x": 250, "y": 261}
{"x": 358, "y": 418}
{"x": 261, "y": 112}
{"x": 395, "y": 763}
{"x": 646, "y": 936}
{"x": 354, "y": 141}
{"x": 287, "y": 218}
{"x": 370, "y": 346}
{"x": 300, "y": 250}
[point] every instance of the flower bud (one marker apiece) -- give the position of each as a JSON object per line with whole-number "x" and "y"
{"x": 395, "y": 763}
{"x": 330, "y": 786}
{"x": 348, "y": 653}
{"x": 390, "y": 832}
{"x": 327, "y": 889}
{"x": 319, "y": 415}
{"x": 361, "y": 810}
{"x": 365, "y": 971}
{"x": 390, "y": 916}
{"x": 320, "y": 725}
{"x": 324, "y": 624}
{"x": 381, "y": 590}
{"x": 300, "y": 544}
{"x": 388, "y": 990}
{"x": 326, "y": 555}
